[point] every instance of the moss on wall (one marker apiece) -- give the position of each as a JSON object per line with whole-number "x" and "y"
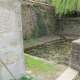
{"x": 37, "y": 20}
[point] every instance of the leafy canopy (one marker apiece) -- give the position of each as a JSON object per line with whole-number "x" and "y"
{"x": 65, "y": 6}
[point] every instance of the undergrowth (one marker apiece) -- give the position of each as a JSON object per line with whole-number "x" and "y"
{"x": 25, "y": 77}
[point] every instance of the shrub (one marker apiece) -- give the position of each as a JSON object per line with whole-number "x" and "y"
{"x": 25, "y": 77}
{"x": 25, "y": 37}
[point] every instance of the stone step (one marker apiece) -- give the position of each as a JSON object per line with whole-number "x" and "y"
{"x": 69, "y": 74}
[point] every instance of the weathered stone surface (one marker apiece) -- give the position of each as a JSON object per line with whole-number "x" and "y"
{"x": 10, "y": 41}
{"x": 6, "y": 21}
{"x": 8, "y": 57}
{"x": 69, "y": 26}
{"x": 6, "y": 4}
{"x": 29, "y": 17}
{"x": 75, "y": 55}
{"x": 11, "y": 45}
{"x": 76, "y": 44}
{"x": 16, "y": 69}
{"x": 69, "y": 74}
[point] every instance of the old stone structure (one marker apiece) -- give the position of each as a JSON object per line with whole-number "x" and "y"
{"x": 75, "y": 57}
{"x": 11, "y": 46}
{"x": 69, "y": 26}
{"x": 31, "y": 13}
{"x": 37, "y": 16}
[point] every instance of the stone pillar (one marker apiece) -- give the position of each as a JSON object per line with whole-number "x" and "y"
{"x": 11, "y": 44}
{"x": 75, "y": 56}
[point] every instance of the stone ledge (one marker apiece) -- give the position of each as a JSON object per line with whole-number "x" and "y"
{"x": 69, "y": 74}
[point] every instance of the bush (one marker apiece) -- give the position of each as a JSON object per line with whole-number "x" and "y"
{"x": 25, "y": 77}
{"x": 25, "y": 37}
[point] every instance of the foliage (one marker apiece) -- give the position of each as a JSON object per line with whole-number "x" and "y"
{"x": 34, "y": 32}
{"x": 41, "y": 25}
{"x": 39, "y": 29}
{"x": 25, "y": 37}
{"x": 65, "y": 6}
{"x": 25, "y": 77}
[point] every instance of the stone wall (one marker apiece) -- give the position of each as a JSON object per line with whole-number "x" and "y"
{"x": 75, "y": 58}
{"x": 37, "y": 19}
{"x": 69, "y": 26}
{"x": 11, "y": 46}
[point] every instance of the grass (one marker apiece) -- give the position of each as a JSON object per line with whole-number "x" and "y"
{"x": 39, "y": 66}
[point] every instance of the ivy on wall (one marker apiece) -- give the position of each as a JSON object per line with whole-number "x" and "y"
{"x": 41, "y": 31}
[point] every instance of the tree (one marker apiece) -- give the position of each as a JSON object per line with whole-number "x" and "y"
{"x": 65, "y": 6}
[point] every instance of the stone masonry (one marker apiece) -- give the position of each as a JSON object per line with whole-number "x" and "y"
{"x": 75, "y": 58}
{"x": 69, "y": 26}
{"x": 11, "y": 46}
{"x": 29, "y": 17}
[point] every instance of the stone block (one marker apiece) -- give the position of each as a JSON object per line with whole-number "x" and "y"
{"x": 8, "y": 57}
{"x": 7, "y": 4}
{"x": 17, "y": 69}
{"x": 69, "y": 26}
{"x": 75, "y": 55}
{"x": 9, "y": 41}
{"x": 17, "y": 17}
{"x": 69, "y": 74}
{"x": 11, "y": 45}
{"x": 10, "y": 18}
{"x": 5, "y": 21}
{"x": 19, "y": 53}
{"x": 76, "y": 44}
{"x": 1, "y": 65}
{"x": 75, "y": 66}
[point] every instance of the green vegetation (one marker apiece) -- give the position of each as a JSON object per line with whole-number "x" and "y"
{"x": 39, "y": 65}
{"x": 57, "y": 48}
{"x": 65, "y": 6}
{"x": 41, "y": 31}
{"x": 34, "y": 32}
{"x": 25, "y": 37}
{"x": 25, "y": 77}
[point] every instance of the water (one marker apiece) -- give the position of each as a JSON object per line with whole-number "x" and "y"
{"x": 57, "y": 49}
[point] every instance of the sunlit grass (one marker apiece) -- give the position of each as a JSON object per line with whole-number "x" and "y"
{"x": 39, "y": 65}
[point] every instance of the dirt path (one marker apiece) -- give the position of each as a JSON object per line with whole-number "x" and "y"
{"x": 45, "y": 39}
{"x": 39, "y": 41}
{"x": 71, "y": 37}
